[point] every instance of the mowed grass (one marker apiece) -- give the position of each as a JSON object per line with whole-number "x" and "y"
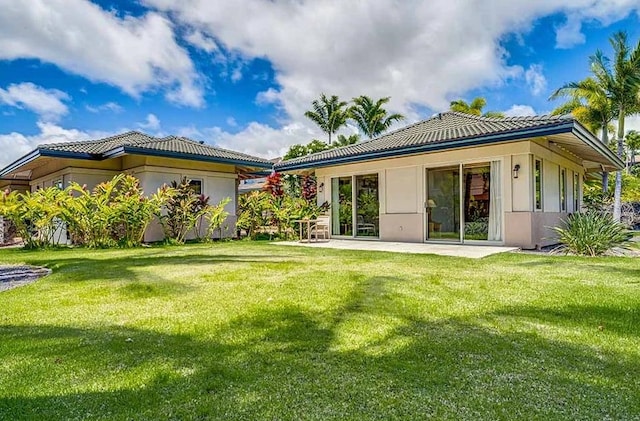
{"x": 246, "y": 330}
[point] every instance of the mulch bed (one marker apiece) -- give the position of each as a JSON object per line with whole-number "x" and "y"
{"x": 15, "y": 276}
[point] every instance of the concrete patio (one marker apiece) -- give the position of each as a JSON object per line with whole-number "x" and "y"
{"x": 453, "y": 250}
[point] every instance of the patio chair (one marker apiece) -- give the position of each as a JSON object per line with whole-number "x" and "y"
{"x": 321, "y": 228}
{"x": 365, "y": 228}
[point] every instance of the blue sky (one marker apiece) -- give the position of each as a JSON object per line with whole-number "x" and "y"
{"x": 240, "y": 74}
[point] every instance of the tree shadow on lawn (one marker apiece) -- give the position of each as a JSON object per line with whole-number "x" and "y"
{"x": 596, "y": 318}
{"x": 131, "y": 267}
{"x": 286, "y": 363}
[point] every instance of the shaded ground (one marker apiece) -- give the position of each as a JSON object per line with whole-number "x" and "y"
{"x": 15, "y": 276}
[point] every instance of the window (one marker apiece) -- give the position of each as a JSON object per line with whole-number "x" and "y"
{"x": 563, "y": 190}
{"x": 576, "y": 192}
{"x": 537, "y": 179}
{"x": 196, "y": 186}
{"x": 58, "y": 183}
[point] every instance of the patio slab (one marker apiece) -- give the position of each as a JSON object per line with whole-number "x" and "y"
{"x": 453, "y": 250}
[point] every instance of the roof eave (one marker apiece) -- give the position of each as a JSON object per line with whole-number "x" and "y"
{"x": 430, "y": 147}
{"x": 595, "y": 143}
{"x": 132, "y": 150}
{"x": 38, "y": 152}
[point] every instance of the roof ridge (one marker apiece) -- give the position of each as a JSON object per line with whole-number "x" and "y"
{"x": 94, "y": 141}
{"x": 205, "y": 144}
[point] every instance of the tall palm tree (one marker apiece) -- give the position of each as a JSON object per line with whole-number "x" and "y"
{"x": 633, "y": 145}
{"x": 330, "y": 114}
{"x": 346, "y": 140}
{"x": 371, "y": 117}
{"x": 620, "y": 80}
{"x": 589, "y": 104}
{"x": 473, "y": 108}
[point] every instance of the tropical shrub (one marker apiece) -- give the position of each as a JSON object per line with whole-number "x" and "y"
{"x": 591, "y": 234}
{"x": 37, "y": 216}
{"x": 133, "y": 211}
{"x": 115, "y": 213}
{"x": 215, "y": 215}
{"x": 183, "y": 211}
{"x": 260, "y": 212}
{"x": 273, "y": 185}
{"x": 252, "y": 211}
{"x": 188, "y": 212}
{"x": 309, "y": 188}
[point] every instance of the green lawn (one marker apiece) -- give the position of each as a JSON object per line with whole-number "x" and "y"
{"x": 255, "y": 331}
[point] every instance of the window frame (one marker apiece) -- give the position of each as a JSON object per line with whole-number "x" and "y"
{"x": 562, "y": 189}
{"x": 576, "y": 192}
{"x": 196, "y": 180}
{"x": 538, "y": 184}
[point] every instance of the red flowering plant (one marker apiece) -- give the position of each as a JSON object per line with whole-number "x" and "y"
{"x": 309, "y": 188}
{"x": 273, "y": 185}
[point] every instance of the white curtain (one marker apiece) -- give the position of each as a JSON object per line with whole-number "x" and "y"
{"x": 335, "y": 206}
{"x": 495, "y": 202}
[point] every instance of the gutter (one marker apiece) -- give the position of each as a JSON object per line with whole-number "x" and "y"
{"x": 449, "y": 144}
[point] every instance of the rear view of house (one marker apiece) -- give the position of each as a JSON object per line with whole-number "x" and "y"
{"x": 213, "y": 172}
{"x": 459, "y": 178}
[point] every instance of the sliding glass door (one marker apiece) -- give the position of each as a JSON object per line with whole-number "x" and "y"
{"x": 464, "y": 203}
{"x": 367, "y": 206}
{"x": 477, "y": 197}
{"x": 341, "y": 206}
{"x": 443, "y": 204}
{"x": 355, "y": 212}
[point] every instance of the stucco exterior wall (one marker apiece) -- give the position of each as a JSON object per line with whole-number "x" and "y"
{"x": 402, "y": 191}
{"x": 217, "y": 186}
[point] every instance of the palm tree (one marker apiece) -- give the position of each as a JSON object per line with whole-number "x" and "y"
{"x": 474, "y": 108}
{"x": 346, "y": 140}
{"x": 328, "y": 113}
{"x": 370, "y": 117}
{"x": 633, "y": 145}
{"x": 589, "y": 104}
{"x": 620, "y": 81}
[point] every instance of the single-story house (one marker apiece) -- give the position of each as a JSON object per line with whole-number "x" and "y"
{"x": 213, "y": 172}
{"x": 459, "y": 178}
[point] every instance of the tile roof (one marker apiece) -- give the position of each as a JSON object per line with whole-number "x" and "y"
{"x": 444, "y": 127}
{"x": 141, "y": 143}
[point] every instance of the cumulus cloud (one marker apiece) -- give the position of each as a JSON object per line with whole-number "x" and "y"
{"x": 569, "y": 33}
{"x": 136, "y": 54}
{"x": 47, "y": 103}
{"x": 518, "y": 110}
{"x": 535, "y": 79}
{"x": 16, "y": 145}
{"x": 151, "y": 123}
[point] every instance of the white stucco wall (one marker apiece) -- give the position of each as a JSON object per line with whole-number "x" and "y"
{"x": 217, "y": 186}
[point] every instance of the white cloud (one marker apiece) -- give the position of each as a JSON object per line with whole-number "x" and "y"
{"x": 517, "y": 110}
{"x": 570, "y": 33}
{"x": 109, "y": 106}
{"x": 381, "y": 48}
{"x": 47, "y": 103}
{"x": 136, "y": 54}
{"x": 232, "y": 122}
{"x": 201, "y": 41}
{"x": 16, "y": 145}
{"x": 151, "y": 123}
{"x": 535, "y": 79}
